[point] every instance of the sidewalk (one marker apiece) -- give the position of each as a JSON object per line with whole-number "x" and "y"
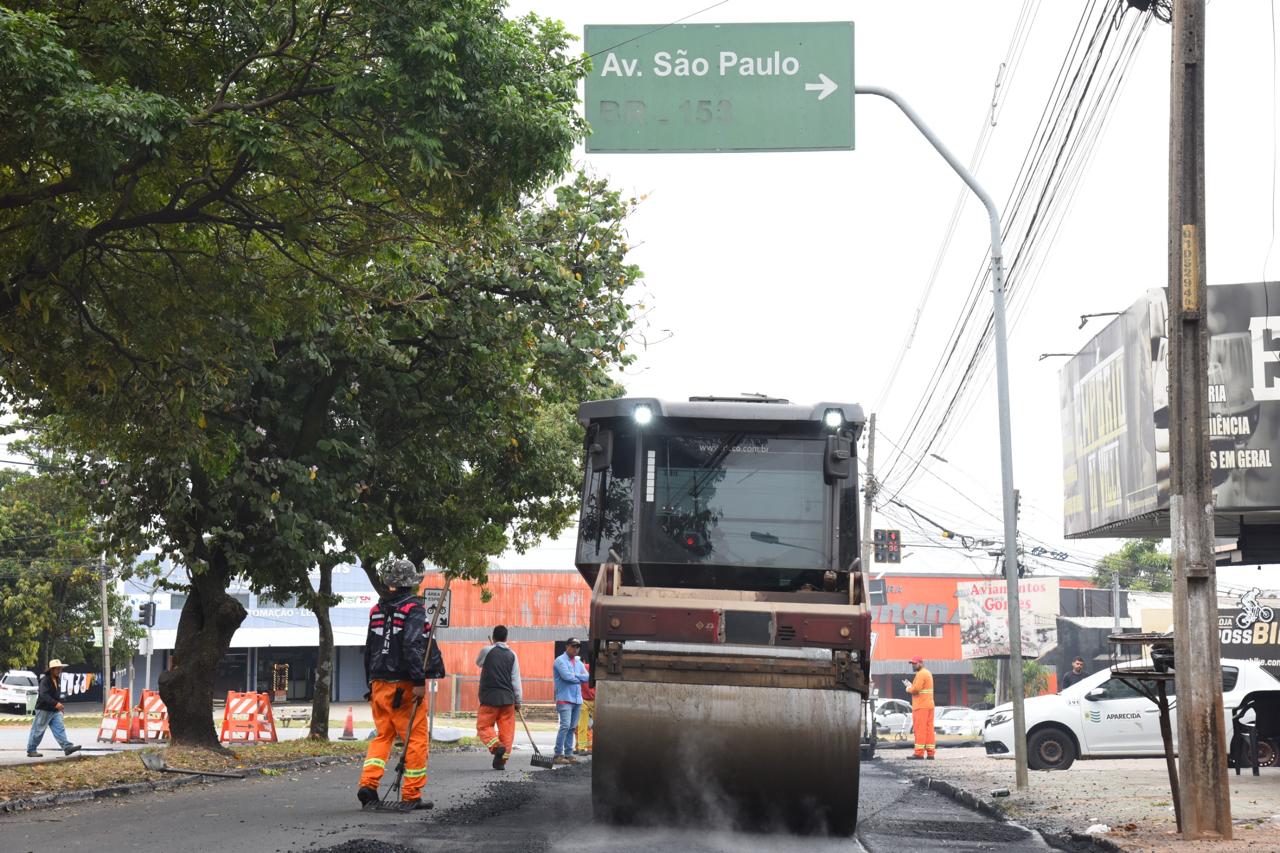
{"x": 1131, "y": 796}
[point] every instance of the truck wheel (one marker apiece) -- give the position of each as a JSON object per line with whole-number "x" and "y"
{"x": 1050, "y": 749}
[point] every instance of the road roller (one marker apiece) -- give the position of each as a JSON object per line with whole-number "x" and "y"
{"x": 730, "y": 634}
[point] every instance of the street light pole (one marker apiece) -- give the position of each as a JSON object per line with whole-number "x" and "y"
{"x": 1006, "y": 429}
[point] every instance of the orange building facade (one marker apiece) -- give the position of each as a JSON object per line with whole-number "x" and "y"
{"x": 918, "y": 617}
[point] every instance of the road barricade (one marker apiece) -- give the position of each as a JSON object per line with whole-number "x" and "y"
{"x": 247, "y": 718}
{"x": 117, "y": 712}
{"x": 155, "y": 717}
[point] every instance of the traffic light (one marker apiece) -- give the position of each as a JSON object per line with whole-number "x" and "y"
{"x": 147, "y": 614}
{"x": 888, "y": 545}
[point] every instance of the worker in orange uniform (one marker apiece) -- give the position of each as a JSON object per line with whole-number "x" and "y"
{"x": 499, "y": 697}
{"x": 921, "y": 690}
{"x": 396, "y": 670}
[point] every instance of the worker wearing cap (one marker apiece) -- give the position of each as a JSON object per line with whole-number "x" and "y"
{"x": 921, "y": 690}
{"x": 570, "y": 675}
{"x": 396, "y": 670}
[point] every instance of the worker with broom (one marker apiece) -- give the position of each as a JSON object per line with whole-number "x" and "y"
{"x": 396, "y": 670}
{"x": 499, "y": 697}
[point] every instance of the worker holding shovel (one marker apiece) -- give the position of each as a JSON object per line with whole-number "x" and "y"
{"x": 397, "y": 670}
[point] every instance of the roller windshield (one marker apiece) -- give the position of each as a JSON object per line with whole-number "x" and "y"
{"x": 734, "y": 499}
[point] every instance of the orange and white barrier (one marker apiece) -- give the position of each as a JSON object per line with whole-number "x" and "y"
{"x": 247, "y": 718}
{"x": 155, "y": 717}
{"x": 116, "y": 716}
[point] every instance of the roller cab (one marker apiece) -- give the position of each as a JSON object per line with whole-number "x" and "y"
{"x": 730, "y": 634}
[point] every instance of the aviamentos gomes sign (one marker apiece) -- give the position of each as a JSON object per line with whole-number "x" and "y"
{"x": 982, "y": 608}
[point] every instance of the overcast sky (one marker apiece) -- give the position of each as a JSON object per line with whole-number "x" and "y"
{"x": 798, "y": 274}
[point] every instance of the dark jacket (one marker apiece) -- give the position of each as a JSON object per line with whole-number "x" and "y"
{"x": 1069, "y": 679}
{"x": 396, "y": 644}
{"x": 499, "y": 677}
{"x": 50, "y": 693}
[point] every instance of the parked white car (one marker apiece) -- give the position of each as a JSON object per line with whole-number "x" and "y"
{"x": 1103, "y": 717}
{"x": 961, "y": 722}
{"x": 15, "y": 686}
{"x": 893, "y": 717}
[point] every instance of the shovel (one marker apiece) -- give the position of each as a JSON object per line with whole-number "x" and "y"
{"x": 152, "y": 761}
{"x": 538, "y": 760}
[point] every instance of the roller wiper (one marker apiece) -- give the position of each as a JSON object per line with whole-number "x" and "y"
{"x": 772, "y": 539}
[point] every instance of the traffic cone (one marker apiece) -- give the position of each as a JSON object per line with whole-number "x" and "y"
{"x": 348, "y": 729}
{"x": 135, "y": 727}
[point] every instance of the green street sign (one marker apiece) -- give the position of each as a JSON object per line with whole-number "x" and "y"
{"x": 720, "y": 87}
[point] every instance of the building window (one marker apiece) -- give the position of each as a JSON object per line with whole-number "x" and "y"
{"x": 918, "y": 630}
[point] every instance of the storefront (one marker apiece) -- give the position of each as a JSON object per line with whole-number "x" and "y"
{"x": 921, "y": 615}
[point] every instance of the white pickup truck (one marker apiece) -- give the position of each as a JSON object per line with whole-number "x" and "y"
{"x": 1103, "y": 717}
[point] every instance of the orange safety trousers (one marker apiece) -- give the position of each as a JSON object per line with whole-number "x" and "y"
{"x": 504, "y": 716}
{"x": 391, "y": 722}
{"x": 922, "y": 722}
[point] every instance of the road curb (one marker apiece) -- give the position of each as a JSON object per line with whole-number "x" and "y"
{"x": 46, "y": 801}
{"x": 1073, "y": 842}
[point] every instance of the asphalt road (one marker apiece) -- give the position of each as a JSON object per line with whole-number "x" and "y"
{"x": 478, "y": 811}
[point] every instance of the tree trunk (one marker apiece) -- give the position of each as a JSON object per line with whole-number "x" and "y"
{"x": 208, "y": 620}
{"x": 324, "y": 655}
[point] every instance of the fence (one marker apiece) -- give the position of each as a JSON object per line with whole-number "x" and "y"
{"x": 461, "y": 692}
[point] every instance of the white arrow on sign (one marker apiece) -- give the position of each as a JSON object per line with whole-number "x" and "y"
{"x": 824, "y": 87}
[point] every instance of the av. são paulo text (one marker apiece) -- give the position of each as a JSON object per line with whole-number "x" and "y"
{"x": 728, "y": 63}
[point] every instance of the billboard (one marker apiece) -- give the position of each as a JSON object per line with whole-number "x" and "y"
{"x": 1115, "y": 411}
{"x": 1250, "y": 631}
{"x": 982, "y": 610}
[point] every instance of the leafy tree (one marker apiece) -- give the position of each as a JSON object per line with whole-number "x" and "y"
{"x": 1140, "y": 566}
{"x": 441, "y": 426}
{"x": 177, "y": 180}
{"x": 50, "y": 581}
{"x": 198, "y": 203}
{"x": 1035, "y": 678}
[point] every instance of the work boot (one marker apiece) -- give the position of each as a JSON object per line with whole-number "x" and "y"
{"x": 67, "y": 750}
{"x": 35, "y": 755}
{"x": 915, "y": 758}
{"x": 415, "y": 805}
{"x": 368, "y": 797}
{"x": 929, "y": 757}
{"x": 498, "y": 761}
{"x": 561, "y": 759}
{"x": 569, "y": 759}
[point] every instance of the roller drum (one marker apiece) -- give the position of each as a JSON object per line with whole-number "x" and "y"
{"x": 746, "y": 757}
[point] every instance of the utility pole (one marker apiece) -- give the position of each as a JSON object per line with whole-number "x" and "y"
{"x": 1202, "y": 754}
{"x": 868, "y": 494}
{"x": 106, "y": 634}
{"x": 1006, "y": 428}
{"x": 1115, "y": 602}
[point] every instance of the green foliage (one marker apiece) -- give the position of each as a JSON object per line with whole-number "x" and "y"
{"x": 180, "y": 184}
{"x": 1035, "y": 677}
{"x": 281, "y": 278}
{"x": 50, "y": 591}
{"x": 1140, "y": 566}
